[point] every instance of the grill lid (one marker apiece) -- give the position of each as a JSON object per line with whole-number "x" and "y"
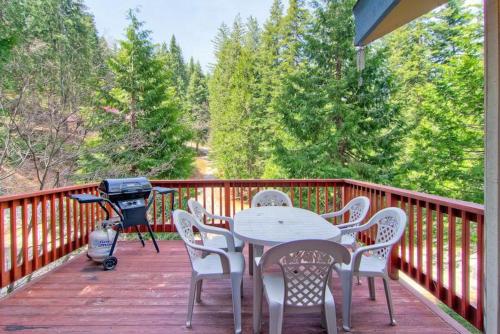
{"x": 135, "y": 185}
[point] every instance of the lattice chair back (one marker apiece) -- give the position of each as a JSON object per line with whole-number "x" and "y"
{"x": 199, "y": 212}
{"x": 358, "y": 209}
{"x": 184, "y": 223}
{"x": 391, "y": 224}
{"x": 306, "y": 267}
{"x": 271, "y": 197}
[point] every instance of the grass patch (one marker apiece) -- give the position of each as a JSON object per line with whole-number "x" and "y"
{"x": 467, "y": 325}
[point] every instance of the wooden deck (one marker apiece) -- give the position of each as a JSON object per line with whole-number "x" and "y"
{"x": 147, "y": 293}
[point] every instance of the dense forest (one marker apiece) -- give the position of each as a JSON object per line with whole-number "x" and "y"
{"x": 289, "y": 98}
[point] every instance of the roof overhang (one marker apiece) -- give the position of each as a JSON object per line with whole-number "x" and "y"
{"x": 376, "y": 18}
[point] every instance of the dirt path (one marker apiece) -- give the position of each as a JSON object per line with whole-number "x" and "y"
{"x": 203, "y": 166}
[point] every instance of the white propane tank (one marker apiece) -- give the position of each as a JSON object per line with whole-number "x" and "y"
{"x": 100, "y": 242}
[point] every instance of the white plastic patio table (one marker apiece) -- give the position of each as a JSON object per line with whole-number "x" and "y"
{"x": 273, "y": 225}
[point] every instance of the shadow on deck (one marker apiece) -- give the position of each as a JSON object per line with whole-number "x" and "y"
{"x": 147, "y": 293}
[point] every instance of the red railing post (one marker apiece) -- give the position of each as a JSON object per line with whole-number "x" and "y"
{"x": 227, "y": 199}
{"x": 393, "y": 264}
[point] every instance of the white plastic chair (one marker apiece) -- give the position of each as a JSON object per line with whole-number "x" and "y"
{"x": 213, "y": 236}
{"x": 302, "y": 283}
{"x": 391, "y": 223}
{"x": 267, "y": 197}
{"x": 357, "y": 208}
{"x": 271, "y": 197}
{"x": 210, "y": 263}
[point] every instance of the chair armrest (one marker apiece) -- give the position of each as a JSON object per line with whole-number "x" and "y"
{"x": 224, "y": 258}
{"x": 349, "y": 225}
{"x": 332, "y": 214}
{"x": 356, "y": 256}
{"x": 221, "y": 231}
{"x": 228, "y": 219}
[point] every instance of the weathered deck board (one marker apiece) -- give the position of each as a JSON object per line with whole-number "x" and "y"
{"x": 147, "y": 293}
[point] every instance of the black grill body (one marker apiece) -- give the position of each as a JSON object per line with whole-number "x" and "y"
{"x": 130, "y": 196}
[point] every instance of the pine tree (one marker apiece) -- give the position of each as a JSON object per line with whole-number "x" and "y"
{"x": 197, "y": 103}
{"x": 175, "y": 63}
{"x": 438, "y": 63}
{"x": 231, "y": 88}
{"x": 139, "y": 129}
{"x": 337, "y": 127}
{"x": 279, "y": 56}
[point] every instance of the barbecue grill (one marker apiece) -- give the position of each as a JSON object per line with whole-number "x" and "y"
{"x": 130, "y": 198}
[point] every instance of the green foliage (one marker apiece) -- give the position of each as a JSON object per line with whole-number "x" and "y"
{"x": 50, "y": 64}
{"x": 232, "y": 103}
{"x": 197, "y": 102}
{"x": 438, "y": 61}
{"x": 339, "y": 120}
{"x": 139, "y": 126}
{"x": 289, "y": 101}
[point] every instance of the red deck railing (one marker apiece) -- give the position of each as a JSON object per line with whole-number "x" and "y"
{"x": 442, "y": 248}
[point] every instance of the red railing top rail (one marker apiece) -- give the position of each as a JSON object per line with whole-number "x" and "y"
{"x": 454, "y": 203}
{"x": 14, "y": 197}
{"x": 458, "y": 204}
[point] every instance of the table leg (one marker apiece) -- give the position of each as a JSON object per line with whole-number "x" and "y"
{"x": 250, "y": 259}
{"x": 257, "y": 252}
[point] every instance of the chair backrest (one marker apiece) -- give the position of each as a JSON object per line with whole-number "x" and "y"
{"x": 271, "y": 197}
{"x": 391, "y": 224}
{"x": 358, "y": 208}
{"x": 198, "y": 211}
{"x": 184, "y": 223}
{"x": 306, "y": 266}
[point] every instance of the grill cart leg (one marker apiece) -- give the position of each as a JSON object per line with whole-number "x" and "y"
{"x": 114, "y": 241}
{"x": 153, "y": 238}
{"x": 140, "y": 235}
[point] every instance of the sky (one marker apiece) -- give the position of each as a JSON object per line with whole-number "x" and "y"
{"x": 193, "y": 22}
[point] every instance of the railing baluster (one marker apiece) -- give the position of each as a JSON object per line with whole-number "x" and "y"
{"x": 3, "y": 273}
{"x": 308, "y": 196}
{"x": 14, "y": 272}
{"x": 465, "y": 264}
{"x": 24, "y": 228}
{"x": 451, "y": 257}
{"x": 404, "y": 266}
{"x": 61, "y": 224}
{"x": 69, "y": 246}
{"x": 317, "y": 199}
{"x": 411, "y": 238}
{"x": 428, "y": 246}
{"x": 53, "y": 237}
{"x": 300, "y": 196}
{"x": 479, "y": 268}
{"x": 440, "y": 243}
{"x": 419, "y": 242}
{"x": 45, "y": 232}
{"x": 34, "y": 220}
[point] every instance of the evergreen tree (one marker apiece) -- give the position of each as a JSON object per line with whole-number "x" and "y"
{"x": 197, "y": 103}
{"x": 231, "y": 88}
{"x": 139, "y": 128}
{"x": 175, "y": 63}
{"x": 279, "y": 56}
{"x": 438, "y": 63}
{"x": 337, "y": 127}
